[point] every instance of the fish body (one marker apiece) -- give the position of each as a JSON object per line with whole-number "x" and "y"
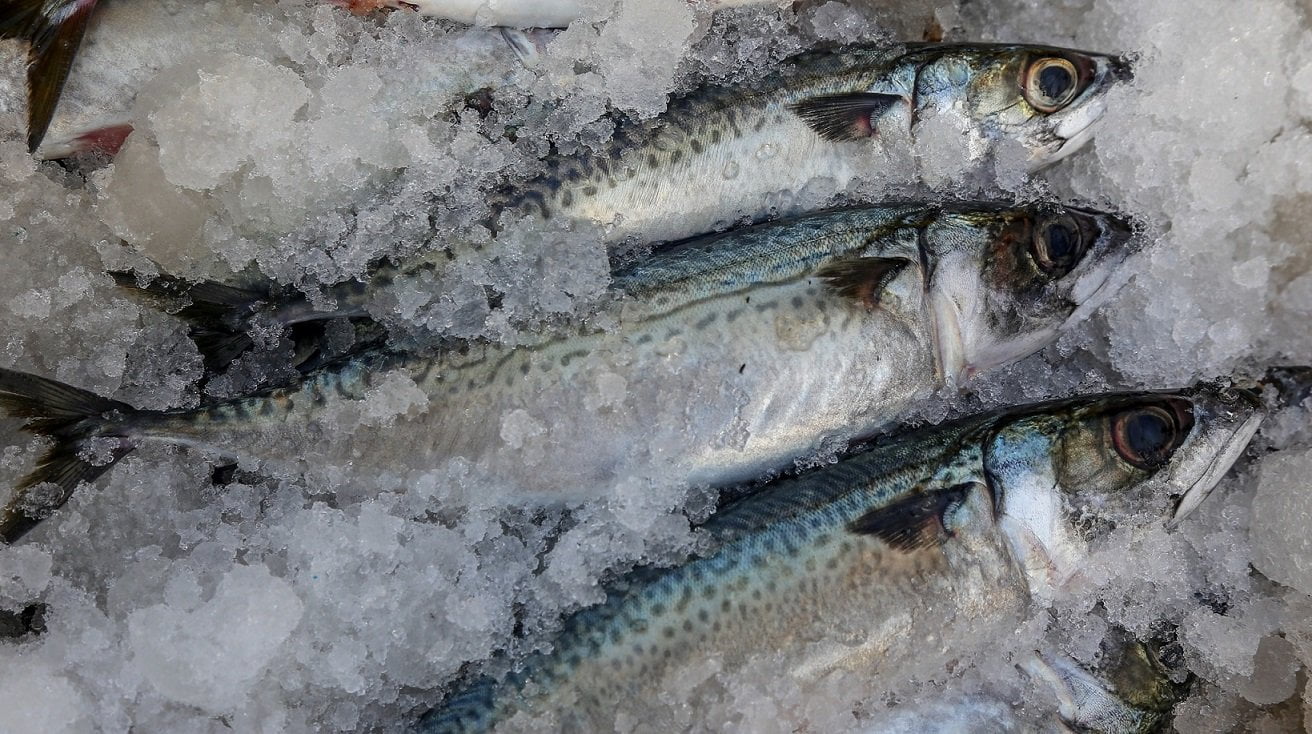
{"x": 877, "y": 562}
{"x": 837, "y": 116}
{"x": 719, "y": 360}
{"x": 730, "y": 356}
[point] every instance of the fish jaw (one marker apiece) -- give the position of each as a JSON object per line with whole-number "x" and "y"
{"x": 1201, "y": 478}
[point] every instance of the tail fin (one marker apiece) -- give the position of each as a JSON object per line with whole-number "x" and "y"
{"x": 219, "y": 315}
{"x": 55, "y": 32}
{"x": 73, "y": 418}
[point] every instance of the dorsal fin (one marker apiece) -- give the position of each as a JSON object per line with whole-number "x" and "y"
{"x": 55, "y": 33}
{"x": 914, "y": 522}
{"x": 862, "y": 279}
{"x": 841, "y": 117}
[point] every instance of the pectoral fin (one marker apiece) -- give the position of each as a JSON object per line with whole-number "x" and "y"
{"x": 839, "y": 117}
{"x": 914, "y": 522}
{"x": 55, "y": 33}
{"x": 862, "y": 279}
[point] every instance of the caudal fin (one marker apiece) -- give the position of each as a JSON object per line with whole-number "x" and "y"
{"x": 55, "y": 32}
{"x": 88, "y": 439}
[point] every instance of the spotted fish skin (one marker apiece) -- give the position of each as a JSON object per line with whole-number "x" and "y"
{"x": 785, "y": 576}
{"x": 885, "y": 562}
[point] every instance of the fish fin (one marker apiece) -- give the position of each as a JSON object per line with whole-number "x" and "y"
{"x": 72, "y": 417}
{"x": 914, "y": 522}
{"x": 54, "y": 43}
{"x": 862, "y": 279}
{"x": 106, "y": 140}
{"x": 839, "y": 117}
{"x": 218, "y": 314}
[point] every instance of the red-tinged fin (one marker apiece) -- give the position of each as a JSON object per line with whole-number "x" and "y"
{"x": 915, "y": 522}
{"x": 840, "y": 117}
{"x": 74, "y": 418}
{"x": 54, "y": 29}
{"x": 106, "y": 140}
{"x": 862, "y": 279}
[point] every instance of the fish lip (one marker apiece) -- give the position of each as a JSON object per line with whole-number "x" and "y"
{"x": 1202, "y": 485}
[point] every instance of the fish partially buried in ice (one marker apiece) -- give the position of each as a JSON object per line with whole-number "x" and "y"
{"x": 718, "y": 361}
{"x": 838, "y": 115}
{"x": 878, "y": 562}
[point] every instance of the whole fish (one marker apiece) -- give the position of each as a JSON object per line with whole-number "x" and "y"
{"x": 514, "y": 13}
{"x": 718, "y": 361}
{"x": 878, "y": 562}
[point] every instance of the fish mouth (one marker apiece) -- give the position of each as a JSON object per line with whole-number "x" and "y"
{"x": 1075, "y": 130}
{"x": 1201, "y": 486}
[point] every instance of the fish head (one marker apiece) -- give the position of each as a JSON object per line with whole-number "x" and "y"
{"x": 1005, "y": 281}
{"x": 1132, "y": 688}
{"x": 1066, "y": 474}
{"x": 1047, "y": 99}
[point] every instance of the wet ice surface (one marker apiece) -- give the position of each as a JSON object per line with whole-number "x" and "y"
{"x": 307, "y": 142}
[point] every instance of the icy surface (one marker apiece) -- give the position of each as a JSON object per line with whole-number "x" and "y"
{"x": 303, "y": 142}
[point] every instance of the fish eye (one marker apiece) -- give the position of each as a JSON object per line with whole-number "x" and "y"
{"x": 1058, "y": 246}
{"x": 1146, "y": 437}
{"x": 1050, "y": 83}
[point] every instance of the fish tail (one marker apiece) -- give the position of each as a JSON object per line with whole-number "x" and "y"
{"x": 466, "y": 712}
{"x": 89, "y": 437}
{"x": 219, "y": 315}
{"x": 54, "y": 34}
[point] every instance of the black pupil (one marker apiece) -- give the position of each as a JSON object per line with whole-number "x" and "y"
{"x": 1061, "y": 243}
{"x": 1055, "y": 81}
{"x": 1148, "y": 434}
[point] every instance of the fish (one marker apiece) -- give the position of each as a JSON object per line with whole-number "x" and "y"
{"x": 522, "y": 14}
{"x": 775, "y": 339}
{"x": 54, "y": 30}
{"x": 875, "y": 562}
{"x": 1132, "y": 687}
{"x": 726, "y": 358}
{"x": 725, "y": 154}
